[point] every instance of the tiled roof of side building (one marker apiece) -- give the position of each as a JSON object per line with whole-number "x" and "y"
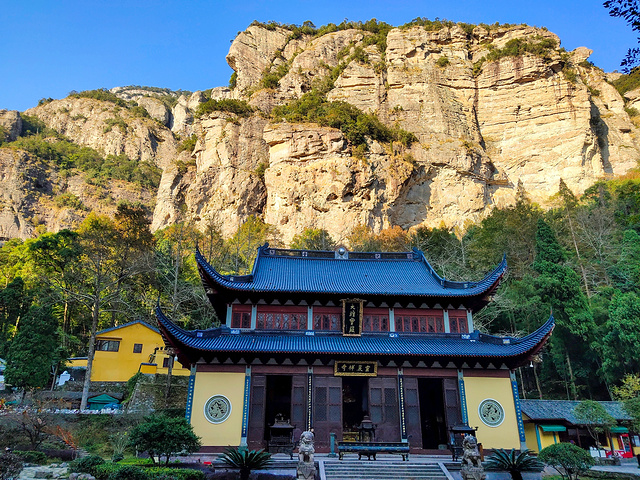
{"x": 563, "y": 410}
{"x": 460, "y": 346}
{"x": 362, "y": 273}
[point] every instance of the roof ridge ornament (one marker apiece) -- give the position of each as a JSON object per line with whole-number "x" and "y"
{"x": 341, "y": 253}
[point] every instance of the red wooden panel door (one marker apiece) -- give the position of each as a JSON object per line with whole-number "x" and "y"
{"x": 298, "y": 404}
{"x": 383, "y": 406}
{"x": 327, "y": 409}
{"x": 255, "y": 433}
{"x": 412, "y": 412}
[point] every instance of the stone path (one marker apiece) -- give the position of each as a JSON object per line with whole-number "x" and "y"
{"x": 52, "y": 471}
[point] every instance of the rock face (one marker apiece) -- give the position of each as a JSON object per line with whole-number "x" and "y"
{"x": 482, "y": 127}
{"x": 10, "y": 125}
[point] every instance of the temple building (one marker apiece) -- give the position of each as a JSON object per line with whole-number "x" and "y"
{"x": 326, "y": 340}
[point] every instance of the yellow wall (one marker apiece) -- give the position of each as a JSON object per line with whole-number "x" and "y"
{"x": 480, "y": 388}
{"x": 208, "y": 384}
{"x": 120, "y": 366}
{"x": 546, "y": 438}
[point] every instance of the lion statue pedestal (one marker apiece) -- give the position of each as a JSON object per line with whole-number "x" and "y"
{"x": 472, "y": 468}
{"x": 306, "y": 466}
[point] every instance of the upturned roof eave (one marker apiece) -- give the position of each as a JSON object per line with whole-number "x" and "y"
{"x": 192, "y": 341}
{"x": 450, "y": 289}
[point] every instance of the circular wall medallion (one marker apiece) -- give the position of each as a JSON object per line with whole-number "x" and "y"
{"x": 217, "y": 409}
{"x": 491, "y": 412}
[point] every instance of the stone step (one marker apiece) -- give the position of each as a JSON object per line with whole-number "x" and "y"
{"x": 356, "y": 470}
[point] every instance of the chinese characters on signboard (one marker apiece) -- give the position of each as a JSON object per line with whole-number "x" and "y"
{"x": 352, "y": 317}
{"x": 355, "y": 369}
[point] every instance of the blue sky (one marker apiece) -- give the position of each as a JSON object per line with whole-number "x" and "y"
{"x": 50, "y": 47}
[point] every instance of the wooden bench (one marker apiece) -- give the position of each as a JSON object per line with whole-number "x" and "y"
{"x": 370, "y": 449}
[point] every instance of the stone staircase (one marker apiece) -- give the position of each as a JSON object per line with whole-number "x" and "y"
{"x": 382, "y": 470}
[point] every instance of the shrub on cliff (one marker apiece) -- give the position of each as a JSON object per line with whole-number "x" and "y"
{"x": 237, "y": 107}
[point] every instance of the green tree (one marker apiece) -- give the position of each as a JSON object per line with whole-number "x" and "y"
{"x": 626, "y": 273}
{"x": 14, "y": 302}
{"x": 558, "y": 286}
{"x": 629, "y": 11}
{"x": 56, "y": 257}
{"x": 621, "y": 344}
{"x": 162, "y": 436}
{"x": 313, "y": 239}
{"x": 594, "y": 416}
{"x": 567, "y": 459}
{"x": 33, "y": 351}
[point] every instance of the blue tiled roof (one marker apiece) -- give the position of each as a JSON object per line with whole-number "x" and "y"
{"x": 475, "y": 345}
{"x": 407, "y": 274}
{"x": 563, "y": 410}
{"x": 108, "y": 330}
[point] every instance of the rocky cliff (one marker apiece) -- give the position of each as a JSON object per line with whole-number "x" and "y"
{"x": 490, "y": 108}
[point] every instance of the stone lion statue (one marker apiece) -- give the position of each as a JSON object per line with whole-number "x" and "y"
{"x": 470, "y": 455}
{"x": 306, "y": 467}
{"x": 471, "y": 464}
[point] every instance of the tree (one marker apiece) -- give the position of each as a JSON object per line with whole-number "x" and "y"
{"x": 313, "y": 239}
{"x": 246, "y": 460}
{"x": 558, "y": 286}
{"x": 567, "y": 459}
{"x": 162, "y": 436}
{"x": 33, "y": 351}
{"x": 629, "y": 10}
{"x": 621, "y": 344}
{"x": 101, "y": 273}
{"x": 514, "y": 463}
{"x": 593, "y": 416}
{"x": 14, "y": 302}
{"x": 362, "y": 239}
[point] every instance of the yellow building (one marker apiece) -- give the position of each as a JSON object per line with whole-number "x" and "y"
{"x": 547, "y": 422}
{"x": 127, "y": 349}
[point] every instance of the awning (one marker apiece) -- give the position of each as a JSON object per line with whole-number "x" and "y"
{"x": 619, "y": 430}
{"x": 553, "y": 428}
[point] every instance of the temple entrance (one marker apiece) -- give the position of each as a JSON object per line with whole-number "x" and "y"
{"x": 278, "y": 401}
{"x": 355, "y": 405}
{"x": 432, "y": 413}
{"x": 272, "y": 395}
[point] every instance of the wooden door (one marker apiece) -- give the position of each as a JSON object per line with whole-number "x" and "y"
{"x": 383, "y": 406}
{"x": 327, "y": 410}
{"x": 452, "y": 401}
{"x": 255, "y": 435}
{"x": 412, "y": 412}
{"x": 298, "y": 405}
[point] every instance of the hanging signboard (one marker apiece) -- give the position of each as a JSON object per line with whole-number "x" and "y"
{"x": 355, "y": 369}
{"x": 352, "y": 317}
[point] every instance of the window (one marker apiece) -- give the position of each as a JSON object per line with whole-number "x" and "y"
{"x": 166, "y": 362}
{"x": 137, "y": 348}
{"x": 375, "y": 320}
{"x": 241, "y": 316}
{"x": 419, "y": 321}
{"x": 327, "y": 319}
{"x": 458, "y": 322}
{"x": 281, "y": 318}
{"x": 108, "y": 345}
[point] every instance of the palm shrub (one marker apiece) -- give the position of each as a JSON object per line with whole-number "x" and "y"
{"x": 246, "y": 460}
{"x": 567, "y": 459}
{"x": 514, "y": 463}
